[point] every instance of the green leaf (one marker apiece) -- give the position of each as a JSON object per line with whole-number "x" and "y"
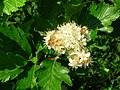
{"x": 9, "y": 66}
{"x": 1, "y": 7}
{"x": 6, "y": 74}
{"x": 17, "y": 35}
{"x": 93, "y": 34}
{"x": 49, "y": 8}
{"x": 73, "y": 10}
{"x": 51, "y": 75}
{"x": 9, "y": 45}
{"x": 39, "y": 47}
{"x": 118, "y": 47}
{"x": 43, "y": 24}
{"x": 75, "y": 2}
{"x": 12, "y": 5}
{"x": 34, "y": 60}
{"x": 86, "y": 19}
{"x": 107, "y": 29}
{"x": 105, "y": 13}
{"x": 118, "y": 79}
{"x": 28, "y": 82}
{"x": 26, "y": 26}
{"x": 106, "y": 70}
{"x": 11, "y": 61}
{"x": 116, "y": 2}
{"x": 104, "y": 47}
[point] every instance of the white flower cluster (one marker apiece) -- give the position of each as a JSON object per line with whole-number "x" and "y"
{"x": 71, "y": 39}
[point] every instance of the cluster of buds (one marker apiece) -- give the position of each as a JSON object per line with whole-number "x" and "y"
{"x": 71, "y": 39}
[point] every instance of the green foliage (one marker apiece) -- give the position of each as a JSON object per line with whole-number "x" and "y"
{"x": 118, "y": 47}
{"x": 11, "y": 61}
{"x": 1, "y": 7}
{"x": 93, "y": 34}
{"x": 12, "y": 5}
{"x": 27, "y": 64}
{"x": 51, "y": 75}
{"x": 28, "y": 82}
{"x": 10, "y": 66}
{"x": 105, "y": 13}
{"x": 17, "y": 35}
{"x": 116, "y": 2}
{"x": 7, "y": 75}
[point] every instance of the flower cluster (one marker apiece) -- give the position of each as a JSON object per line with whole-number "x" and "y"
{"x": 71, "y": 39}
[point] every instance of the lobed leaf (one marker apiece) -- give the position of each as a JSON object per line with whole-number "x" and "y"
{"x": 12, "y": 5}
{"x": 28, "y": 82}
{"x": 7, "y": 75}
{"x": 105, "y": 13}
{"x": 52, "y": 75}
{"x": 10, "y": 65}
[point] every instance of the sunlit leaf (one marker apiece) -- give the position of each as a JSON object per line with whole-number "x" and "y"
{"x": 9, "y": 74}
{"x": 107, "y": 29}
{"x": 104, "y": 47}
{"x": 93, "y": 34}
{"x": 52, "y": 75}
{"x": 28, "y": 82}
{"x": 105, "y": 13}
{"x": 12, "y": 5}
{"x": 10, "y": 65}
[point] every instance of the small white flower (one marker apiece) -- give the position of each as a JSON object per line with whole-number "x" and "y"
{"x": 79, "y": 59}
{"x": 72, "y": 39}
